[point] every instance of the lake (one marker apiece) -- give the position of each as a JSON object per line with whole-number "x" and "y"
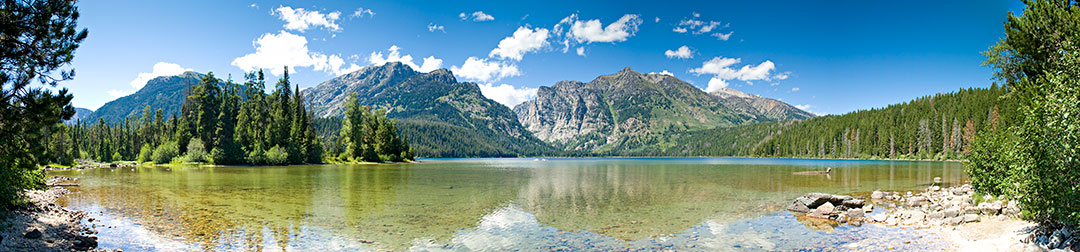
{"x": 689, "y": 204}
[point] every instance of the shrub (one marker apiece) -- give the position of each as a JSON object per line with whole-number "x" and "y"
{"x": 256, "y": 156}
{"x": 277, "y": 156}
{"x": 165, "y": 153}
{"x": 217, "y": 156}
{"x": 196, "y": 152}
{"x": 144, "y": 153}
{"x": 1037, "y": 156}
{"x": 116, "y": 156}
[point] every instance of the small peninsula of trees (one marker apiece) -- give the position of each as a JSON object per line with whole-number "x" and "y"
{"x": 222, "y": 122}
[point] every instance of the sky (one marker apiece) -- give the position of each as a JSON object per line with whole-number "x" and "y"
{"x": 827, "y": 57}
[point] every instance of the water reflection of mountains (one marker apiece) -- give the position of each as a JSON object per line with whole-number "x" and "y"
{"x": 397, "y": 207}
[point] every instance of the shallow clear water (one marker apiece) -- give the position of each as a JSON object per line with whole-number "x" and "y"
{"x": 493, "y": 204}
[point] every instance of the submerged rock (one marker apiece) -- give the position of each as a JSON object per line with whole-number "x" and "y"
{"x": 33, "y": 234}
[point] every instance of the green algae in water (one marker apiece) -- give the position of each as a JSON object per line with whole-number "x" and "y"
{"x": 446, "y": 203}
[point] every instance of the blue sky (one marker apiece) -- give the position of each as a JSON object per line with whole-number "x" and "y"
{"x": 826, "y": 57}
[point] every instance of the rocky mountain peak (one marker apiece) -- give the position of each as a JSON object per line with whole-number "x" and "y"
{"x": 725, "y": 93}
{"x": 625, "y": 109}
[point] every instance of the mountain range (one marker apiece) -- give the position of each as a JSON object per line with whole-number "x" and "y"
{"x": 447, "y": 118}
{"x": 626, "y": 110}
{"x": 166, "y": 93}
{"x": 443, "y": 117}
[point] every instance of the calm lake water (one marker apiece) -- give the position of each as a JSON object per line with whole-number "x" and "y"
{"x": 493, "y": 204}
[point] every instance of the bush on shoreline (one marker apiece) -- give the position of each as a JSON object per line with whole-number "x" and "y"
{"x": 1037, "y": 155}
{"x": 165, "y": 153}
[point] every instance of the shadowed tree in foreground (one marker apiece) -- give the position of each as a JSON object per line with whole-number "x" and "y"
{"x": 37, "y": 39}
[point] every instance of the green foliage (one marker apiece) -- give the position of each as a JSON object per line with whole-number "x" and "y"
{"x": 196, "y": 152}
{"x": 235, "y": 122}
{"x": 37, "y": 39}
{"x": 370, "y": 136}
{"x": 145, "y": 153}
{"x": 276, "y": 156}
{"x": 907, "y": 130}
{"x": 117, "y": 157}
{"x": 1037, "y": 156}
{"x": 165, "y": 153}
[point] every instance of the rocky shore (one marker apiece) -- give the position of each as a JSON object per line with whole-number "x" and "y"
{"x": 970, "y": 221}
{"x": 45, "y": 226}
{"x": 87, "y": 165}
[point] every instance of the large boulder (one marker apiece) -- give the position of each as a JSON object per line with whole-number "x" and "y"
{"x": 810, "y": 201}
{"x": 823, "y": 211}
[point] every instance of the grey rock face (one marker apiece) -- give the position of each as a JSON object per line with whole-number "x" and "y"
{"x": 435, "y": 101}
{"x": 623, "y": 107}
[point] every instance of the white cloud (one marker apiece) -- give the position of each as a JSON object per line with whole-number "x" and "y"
{"x": 723, "y": 36}
{"x": 782, "y": 76}
{"x": 430, "y": 64}
{"x": 478, "y": 16}
{"x": 523, "y": 40}
{"x": 275, "y": 51}
{"x": 335, "y": 63}
{"x": 300, "y": 19}
{"x": 581, "y": 51}
{"x": 699, "y": 27}
{"x": 683, "y": 52}
{"x": 394, "y": 55}
{"x": 506, "y": 94}
{"x": 665, "y": 72}
{"x": 657, "y": 20}
{"x": 794, "y": 89}
{"x": 481, "y": 70}
{"x": 722, "y": 71}
{"x": 806, "y": 107}
{"x": 361, "y": 12}
{"x": 593, "y": 31}
{"x": 432, "y": 27}
{"x": 721, "y": 68}
{"x": 160, "y": 69}
{"x": 256, "y": 6}
{"x": 116, "y": 93}
{"x": 716, "y": 83}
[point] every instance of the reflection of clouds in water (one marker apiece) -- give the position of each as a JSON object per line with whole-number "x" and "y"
{"x": 511, "y": 228}
{"x": 120, "y": 232}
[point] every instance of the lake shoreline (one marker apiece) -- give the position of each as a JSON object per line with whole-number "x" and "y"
{"x": 958, "y": 215}
{"x": 44, "y": 225}
{"x": 944, "y": 234}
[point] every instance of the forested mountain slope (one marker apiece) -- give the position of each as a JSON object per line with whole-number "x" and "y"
{"x": 938, "y": 126}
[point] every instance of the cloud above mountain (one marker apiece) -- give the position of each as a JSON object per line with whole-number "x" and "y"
{"x": 523, "y": 40}
{"x": 299, "y": 19}
{"x": 507, "y": 94}
{"x": 589, "y": 31}
{"x": 159, "y": 69}
{"x": 722, "y": 71}
{"x": 483, "y": 70}
{"x": 284, "y": 49}
{"x": 684, "y": 52}
{"x": 394, "y": 55}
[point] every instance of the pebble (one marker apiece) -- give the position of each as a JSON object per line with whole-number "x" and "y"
{"x": 971, "y": 217}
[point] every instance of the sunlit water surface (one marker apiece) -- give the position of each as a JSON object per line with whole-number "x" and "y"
{"x": 530, "y": 204}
